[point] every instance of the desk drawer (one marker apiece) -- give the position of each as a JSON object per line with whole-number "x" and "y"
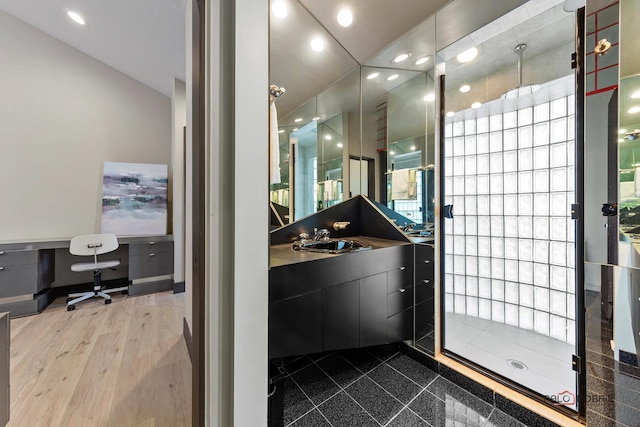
{"x": 150, "y": 247}
{"x": 399, "y": 300}
{"x": 150, "y": 265}
{"x": 18, "y": 257}
{"x": 18, "y": 280}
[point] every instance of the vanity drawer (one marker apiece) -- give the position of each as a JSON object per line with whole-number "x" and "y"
{"x": 424, "y": 289}
{"x": 18, "y": 280}
{"x": 399, "y": 278}
{"x": 150, "y": 265}
{"x": 18, "y": 257}
{"x": 399, "y": 300}
{"x": 150, "y": 247}
{"x": 424, "y": 262}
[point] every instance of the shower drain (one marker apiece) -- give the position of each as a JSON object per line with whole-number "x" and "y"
{"x": 517, "y": 364}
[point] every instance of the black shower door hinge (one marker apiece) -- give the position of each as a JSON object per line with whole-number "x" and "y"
{"x": 575, "y": 211}
{"x": 575, "y": 363}
{"x": 574, "y": 60}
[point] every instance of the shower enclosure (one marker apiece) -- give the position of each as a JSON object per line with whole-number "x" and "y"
{"x": 509, "y": 260}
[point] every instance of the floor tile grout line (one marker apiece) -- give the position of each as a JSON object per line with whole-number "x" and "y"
{"x": 405, "y": 375}
{"x": 493, "y": 409}
{"x": 407, "y": 407}
{"x": 363, "y": 408}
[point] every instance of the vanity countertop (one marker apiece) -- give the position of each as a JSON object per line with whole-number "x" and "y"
{"x": 284, "y": 254}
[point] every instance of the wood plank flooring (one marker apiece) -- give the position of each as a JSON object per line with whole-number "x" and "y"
{"x": 117, "y": 365}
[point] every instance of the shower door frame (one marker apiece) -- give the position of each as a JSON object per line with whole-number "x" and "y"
{"x": 579, "y": 362}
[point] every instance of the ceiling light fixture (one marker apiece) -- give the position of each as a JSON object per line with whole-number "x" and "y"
{"x": 476, "y": 105}
{"x": 328, "y": 137}
{"x": 76, "y": 17}
{"x": 295, "y": 129}
{"x": 401, "y": 57}
{"x": 392, "y": 77}
{"x": 451, "y": 114}
{"x": 468, "y": 55}
{"x": 635, "y": 95}
{"x": 422, "y": 60}
{"x": 521, "y": 89}
{"x": 298, "y": 120}
{"x": 634, "y": 110}
{"x": 281, "y": 131}
{"x": 315, "y": 119}
{"x": 317, "y": 44}
{"x": 279, "y": 9}
{"x": 620, "y": 140}
{"x": 345, "y": 17}
{"x": 621, "y": 131}
{"x": 465, "y": 88}
{"x": 413, "y": 148}
{"x": 372, "y": 76}
{"x": 392, "y": 152}
{"x": 431, "y": 97}
{"x": 339, "y": 145}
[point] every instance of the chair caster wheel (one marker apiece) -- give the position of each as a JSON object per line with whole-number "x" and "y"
{"x": 71, "y": 307}
{"x": 69, "y": 299}
{"x": 107, "y": 301}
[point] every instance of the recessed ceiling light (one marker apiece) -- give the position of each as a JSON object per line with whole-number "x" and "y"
{"x": 465, "y": 88}
{"x": 401, "y": 57}
{"x": 295, "y": 129}
{"x": 328, "y": 137}
{"x": 315, "y": 119}
{"x": 620, "y": 140}
{"x": 634, "y": 110}
{"x": 298, "y": 120}
{"x": 451, "y": 114}
{"x": 476, "y": 105}
{"x": 621, "y": 131}
{"x": 468, "y": 55}
{"x": 339, "y": 145}
{"x": 430, "y": 97}
{"x": 317, "y": 44}
{"x": 635, "y": 95}
{"x": 392, "y": 152}
{"x": 392, "y": 77}
{"x": 413, "y": 148}
{"x": 76, "y": 17}
{"x": 281, "y": 131}
{"x": 345, "y": 17}
{"x": 372, "y": 76}
{"x": 279, "y": 9}
{"x": 422, "y": 60}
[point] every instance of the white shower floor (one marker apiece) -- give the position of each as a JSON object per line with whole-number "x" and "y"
{"x": 491, "y": 344}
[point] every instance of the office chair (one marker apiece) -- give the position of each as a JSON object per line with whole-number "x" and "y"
{"x": 93, "y": 245}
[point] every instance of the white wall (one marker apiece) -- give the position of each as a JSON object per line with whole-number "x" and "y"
{"x": 177, "y": 172}
{"x": 188, "y": 211}
{"x": 63, "y": 114}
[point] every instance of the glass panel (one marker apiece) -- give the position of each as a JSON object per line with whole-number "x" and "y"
{"x": 525, "y": 278}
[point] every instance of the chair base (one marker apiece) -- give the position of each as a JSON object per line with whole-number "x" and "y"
{"x": 98, "y": 291}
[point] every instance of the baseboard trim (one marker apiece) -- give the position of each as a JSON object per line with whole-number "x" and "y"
{"x": 178, "y": 287}
{"x": 187, "y": 337}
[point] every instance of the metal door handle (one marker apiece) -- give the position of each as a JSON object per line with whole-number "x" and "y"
{"x": 1, "y": 268}
{"x": 427, "y": 261}
{"x": 152, "y": 243}
{"x": 403, "y": 268}
{"x": 402, "y": 290}
{"x": 152, "y": 254}
{"x": 426, "y": 281}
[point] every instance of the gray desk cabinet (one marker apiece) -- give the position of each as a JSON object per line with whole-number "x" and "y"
{"x": 24, "y": 277}
{"x": 5, "y": 337}
{"x": 149, "y": 261}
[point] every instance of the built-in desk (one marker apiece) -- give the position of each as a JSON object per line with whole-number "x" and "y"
{"x": 31, "y": 270}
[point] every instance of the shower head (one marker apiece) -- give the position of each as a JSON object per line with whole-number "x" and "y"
{"x": 521, "y": 89}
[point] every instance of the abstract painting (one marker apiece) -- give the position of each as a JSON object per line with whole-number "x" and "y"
{"x": 134, "y": 199}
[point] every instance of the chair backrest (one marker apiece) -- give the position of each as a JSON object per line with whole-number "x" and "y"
{"x": 93, "y": 244}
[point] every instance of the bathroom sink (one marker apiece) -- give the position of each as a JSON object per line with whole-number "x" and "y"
{"x": 330, "y": 246}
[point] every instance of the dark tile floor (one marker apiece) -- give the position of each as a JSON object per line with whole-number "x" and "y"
{"x": 377, "y": 386}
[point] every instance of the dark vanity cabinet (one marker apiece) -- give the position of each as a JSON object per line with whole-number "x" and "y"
{"x": 424, "y": 288}
{"x": 343, "y": 301}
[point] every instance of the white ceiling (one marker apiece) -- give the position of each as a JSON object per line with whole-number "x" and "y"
{"x": 144, "y": 39}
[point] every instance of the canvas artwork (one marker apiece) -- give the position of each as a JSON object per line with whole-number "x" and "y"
{"x": 134, "y": 199}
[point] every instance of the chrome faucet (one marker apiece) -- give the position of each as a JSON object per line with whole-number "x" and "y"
{"x": 322, "y": 234}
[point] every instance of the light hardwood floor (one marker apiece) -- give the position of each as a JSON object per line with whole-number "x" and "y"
{"x": 123, "y": 364}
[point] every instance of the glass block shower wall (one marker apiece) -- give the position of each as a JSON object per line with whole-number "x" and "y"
{"x": 510, "y": 252}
